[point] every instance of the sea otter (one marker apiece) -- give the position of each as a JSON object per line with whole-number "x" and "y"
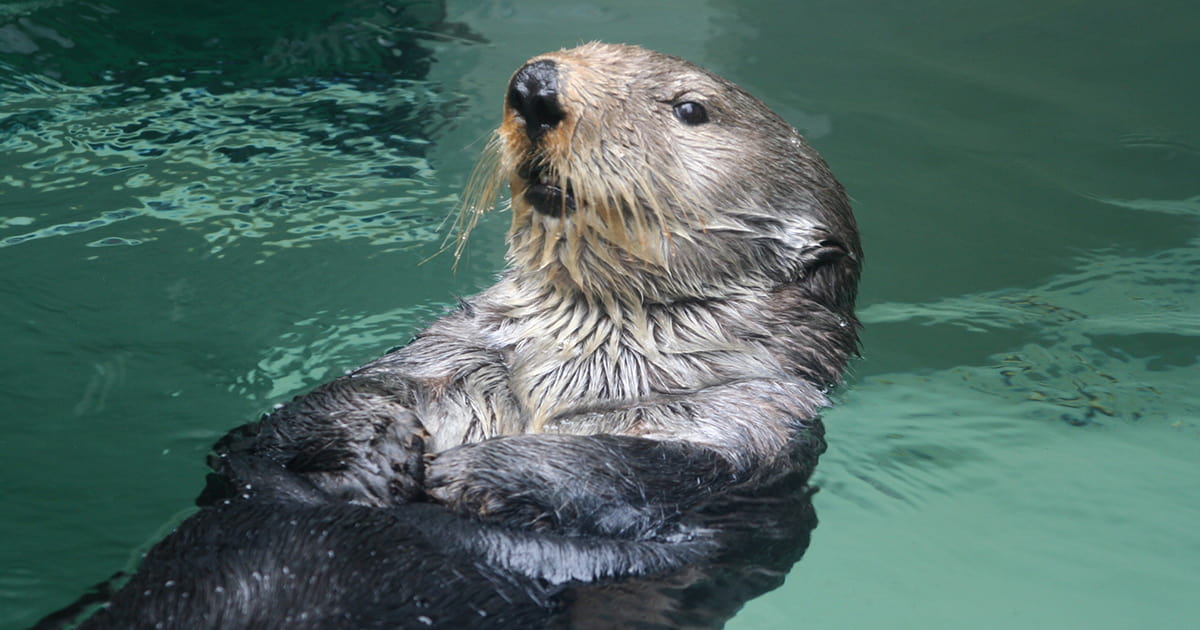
{"x": 679, "y": 300}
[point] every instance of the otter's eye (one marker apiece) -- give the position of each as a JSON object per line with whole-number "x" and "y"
{"x": 691, "y": 113}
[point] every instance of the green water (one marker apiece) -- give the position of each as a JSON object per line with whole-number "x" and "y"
{"x": 204, "y": 212}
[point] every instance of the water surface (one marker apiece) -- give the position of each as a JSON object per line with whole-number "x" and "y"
{"x": 197, "y": 224}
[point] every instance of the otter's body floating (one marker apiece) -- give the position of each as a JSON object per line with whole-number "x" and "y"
{"x": 679, "y": 298}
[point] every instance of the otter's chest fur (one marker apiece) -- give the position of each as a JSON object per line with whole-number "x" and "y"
{"x": 562, "y": 365}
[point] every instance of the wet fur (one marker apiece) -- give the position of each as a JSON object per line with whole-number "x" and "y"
{"x": 698, "y": 302}
{"x": 647, "y": 362}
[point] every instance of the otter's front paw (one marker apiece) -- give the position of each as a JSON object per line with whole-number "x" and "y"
{"x": 335, "y": 444}
{"x": 396, "y": 454}
{"x": 489, "y": 480}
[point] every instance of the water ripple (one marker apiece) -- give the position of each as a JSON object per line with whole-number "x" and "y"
{"x": 231, "y": 165}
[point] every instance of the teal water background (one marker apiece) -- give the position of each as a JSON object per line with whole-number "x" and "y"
{"x": 195, "y": 228}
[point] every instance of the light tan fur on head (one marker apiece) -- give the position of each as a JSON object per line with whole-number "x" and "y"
{"x": 663, "y": 210}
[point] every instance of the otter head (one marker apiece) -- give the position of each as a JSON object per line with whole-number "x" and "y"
{"x": 637, "y": 175}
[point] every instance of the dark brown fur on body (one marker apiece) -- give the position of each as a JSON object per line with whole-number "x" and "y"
{"x": 619, "y": 432}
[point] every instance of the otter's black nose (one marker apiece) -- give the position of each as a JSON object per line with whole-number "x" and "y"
{"x": 533, "y": 95}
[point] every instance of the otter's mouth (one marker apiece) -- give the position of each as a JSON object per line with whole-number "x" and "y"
{"x": 545, "y": 193}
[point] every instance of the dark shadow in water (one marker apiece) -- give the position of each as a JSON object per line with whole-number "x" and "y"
{"x": 224, "y": 44}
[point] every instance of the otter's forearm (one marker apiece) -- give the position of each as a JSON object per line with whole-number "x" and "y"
{"x": 685, "y": 448}
{"x": 608, "y": 485}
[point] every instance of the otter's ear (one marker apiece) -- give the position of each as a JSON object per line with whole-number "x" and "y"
{"x": 828, "y": 250}
{"x": 829, "y": 271}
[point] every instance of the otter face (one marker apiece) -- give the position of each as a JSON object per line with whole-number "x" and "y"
{"x": 638, "y": 174}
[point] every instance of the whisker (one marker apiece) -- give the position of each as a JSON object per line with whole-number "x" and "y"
{"x": 483, "y": 187}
